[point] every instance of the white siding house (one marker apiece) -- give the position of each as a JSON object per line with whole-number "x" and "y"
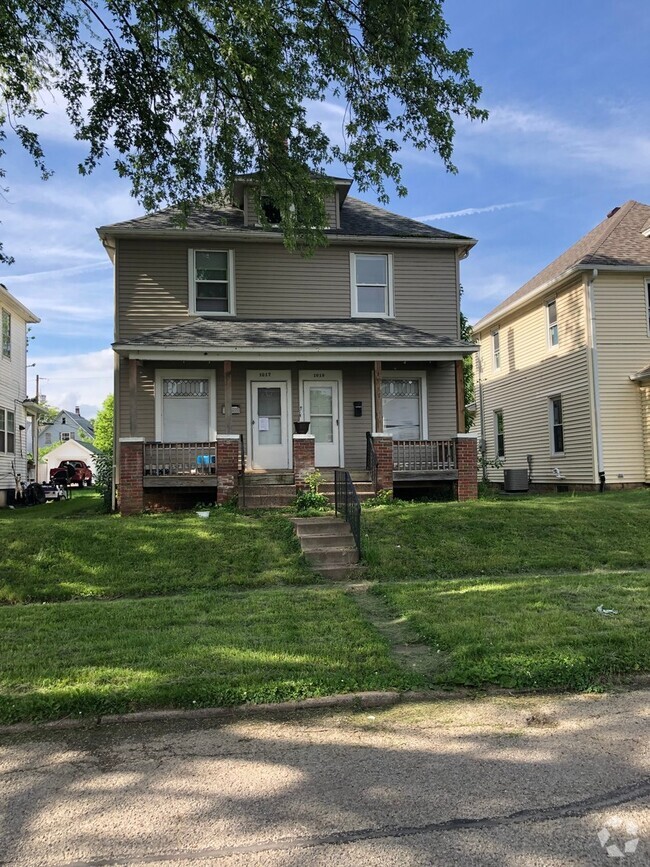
{"x": 14, "y": 406}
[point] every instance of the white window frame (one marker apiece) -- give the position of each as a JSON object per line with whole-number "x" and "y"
{"x": 647, "y": 304}
{"x": 191, "y": 264}
{"x": 3, "y": 431}
{"x": 551, "y": 424}
{"x": 549, "y": 325}
{"x": 187, "y": 373}
{"x": 389, "y": 312}
{"x": 6, "y": 350}
{"x": 66, "y": 436}
{"x": 424, "y": 396}
{"x": 496, "y": 349}
{"x": 499, "y": 413}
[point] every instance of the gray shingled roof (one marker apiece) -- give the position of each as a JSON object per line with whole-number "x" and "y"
{"x": 80, "y": 420}
{"x": 618, "y": 240}
{"x": 357, "y": 218}
{"x": 642, "y": 375}
{"x": 293, "y": 334}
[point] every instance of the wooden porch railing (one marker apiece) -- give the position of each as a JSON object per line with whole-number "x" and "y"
{"x": 180, "y": 459}
{"x": 424, "y": 455}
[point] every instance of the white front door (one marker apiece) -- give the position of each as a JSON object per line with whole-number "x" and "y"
{"x": 186, "y": 406}
{"x": 270, "y": 425}
{"x": 321, "y": 410}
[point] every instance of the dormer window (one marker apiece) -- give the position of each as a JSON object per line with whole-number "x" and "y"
{"x": 372, "y": 284}
{"x": 271, "y": 211}
{"x": 211, "y": 282}
{"x": 496, "y": 349}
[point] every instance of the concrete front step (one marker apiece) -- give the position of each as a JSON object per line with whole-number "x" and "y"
{"x": 324, "y": 541}
{"x": 355, "y": 475}
{"x": 342, "y": 573}
{"x": 278, "y": 477}
{"x": 320, "y": 526}
{"x": 359, "y": 487}
{"x": 347, "y": 556}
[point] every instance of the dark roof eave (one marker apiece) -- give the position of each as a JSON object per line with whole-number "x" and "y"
{"x": 334, "y": 235}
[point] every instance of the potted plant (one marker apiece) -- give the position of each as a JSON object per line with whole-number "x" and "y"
{"x": 301, "y": 427}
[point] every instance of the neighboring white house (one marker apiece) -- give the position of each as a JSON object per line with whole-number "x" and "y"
{"x": 69, "y": 450}
{"x": 66, "y": 426}
{"x": 14, "y": 406}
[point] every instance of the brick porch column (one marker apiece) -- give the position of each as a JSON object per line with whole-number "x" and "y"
{"x": 227, "y": 466}
{"x": 304, "y": 461}
{"x": 131, "y": 487}
{"x": 467, "y": 463}
{"x": 384, "y": 451}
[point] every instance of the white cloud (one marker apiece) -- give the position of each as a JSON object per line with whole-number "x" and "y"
{"x": 468, "y": 212}
{"x": 539, "y": 140}
{"x": 76, "y": 380}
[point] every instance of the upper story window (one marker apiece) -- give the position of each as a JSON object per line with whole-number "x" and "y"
{"x": 557, "y": 426}
{"x": 372, "y": 284}
{"x": 212, "y": 282}
{"x": 647, "y": 304}
{"x": 7, "y": 431}
{"x": 551, "y": 323}
{"x": 65, "y": 436}
{"x": 496, "y": 349}
{"x": 271, "y": 211}
{"x": 6, "y": 334}
{"x": 499, "y": 434}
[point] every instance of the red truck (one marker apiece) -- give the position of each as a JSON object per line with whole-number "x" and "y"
{"x": 72, "y": 473}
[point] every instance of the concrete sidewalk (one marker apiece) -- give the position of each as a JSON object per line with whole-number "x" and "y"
{"x": 500, "y": 781}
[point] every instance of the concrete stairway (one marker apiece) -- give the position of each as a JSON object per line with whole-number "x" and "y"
{"x": 360, "y": 478}
{"x": 328, "y": 545}
{"x": 272, "y": 490}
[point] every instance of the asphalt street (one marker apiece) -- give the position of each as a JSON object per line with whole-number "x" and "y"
{"x": 492, "y": 781}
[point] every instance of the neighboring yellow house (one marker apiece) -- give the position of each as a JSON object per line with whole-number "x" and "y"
{"x": 563, "y": 372}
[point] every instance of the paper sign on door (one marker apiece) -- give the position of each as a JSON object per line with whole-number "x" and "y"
{"x": 263, "y": 423}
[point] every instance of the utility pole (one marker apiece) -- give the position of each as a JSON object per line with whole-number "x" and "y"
{"x": 37, "y": 387}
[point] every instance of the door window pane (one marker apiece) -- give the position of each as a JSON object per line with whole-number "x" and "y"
{"x": 269, "y": 401}
{"x": 322, "y": 427}
{"x": 320, "y": 401}
{"x": 272, "y": 436}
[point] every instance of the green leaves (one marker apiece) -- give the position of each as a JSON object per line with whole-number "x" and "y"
{"x": 183, "y": 95}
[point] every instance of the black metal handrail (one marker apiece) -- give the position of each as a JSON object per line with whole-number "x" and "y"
{"x": 347, "y": 505}
{"x": 371, "y": 459}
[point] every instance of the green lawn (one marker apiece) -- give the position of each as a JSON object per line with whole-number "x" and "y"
{"x": 71, "y": 550}
{"x": 530, "y": 631}
{"x": 498, "y": 536}
{"x": 198, "y": 650}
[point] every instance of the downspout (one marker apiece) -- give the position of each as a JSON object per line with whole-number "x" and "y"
{"x": 596, "y": 380}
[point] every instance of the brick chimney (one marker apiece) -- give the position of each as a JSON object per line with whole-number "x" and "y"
{"x": 76, "y": 410}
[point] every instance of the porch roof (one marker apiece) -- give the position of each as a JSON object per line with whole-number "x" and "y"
{"x": 642, "y": 376}
{"x": 299, "y": 337}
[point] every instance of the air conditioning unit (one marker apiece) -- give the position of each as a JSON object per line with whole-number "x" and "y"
{"x": 515, "y": 481}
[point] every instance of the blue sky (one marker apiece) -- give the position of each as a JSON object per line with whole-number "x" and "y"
{"x": 567, "y": 140}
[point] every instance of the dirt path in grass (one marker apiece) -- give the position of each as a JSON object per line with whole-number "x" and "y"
{"x": 520, "y": 781}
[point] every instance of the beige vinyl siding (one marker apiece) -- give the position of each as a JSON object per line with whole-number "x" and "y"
{"x": 524, "y": 334}
{"x": 623, "y": 349}
{"x": 524, "y": 398}
{"x": 270, "y": 281}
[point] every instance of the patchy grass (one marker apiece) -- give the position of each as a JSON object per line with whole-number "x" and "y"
{"x": 529, "y": 631}
{"x": 563, "y": 533}
{"x": 188, "y": 651}
{"x": 72, "y": 550}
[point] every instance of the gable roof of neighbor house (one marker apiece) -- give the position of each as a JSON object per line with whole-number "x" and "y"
{"x": 358, "y": 218}
{"x": 294, "y": 334}
{"x": 618, "y": 242}
{"x": 90, "y": 448}
{"x": 79, "y": 420}
{"x": 14, "y": 305}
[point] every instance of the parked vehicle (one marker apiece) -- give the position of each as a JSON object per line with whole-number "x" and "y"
{"x": 72, "y": 473}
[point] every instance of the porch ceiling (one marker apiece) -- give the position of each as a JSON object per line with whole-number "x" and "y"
{"x": 293, "y": 338}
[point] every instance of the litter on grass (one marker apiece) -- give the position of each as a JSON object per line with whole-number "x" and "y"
{"x": 606, "y": 611}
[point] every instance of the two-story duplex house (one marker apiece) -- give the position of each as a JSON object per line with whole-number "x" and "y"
{"x": 224, "y": 339}
{"x": 562, "y": 372}
{"x": 14, "y": 406}
{"x": 66, "y": 426}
